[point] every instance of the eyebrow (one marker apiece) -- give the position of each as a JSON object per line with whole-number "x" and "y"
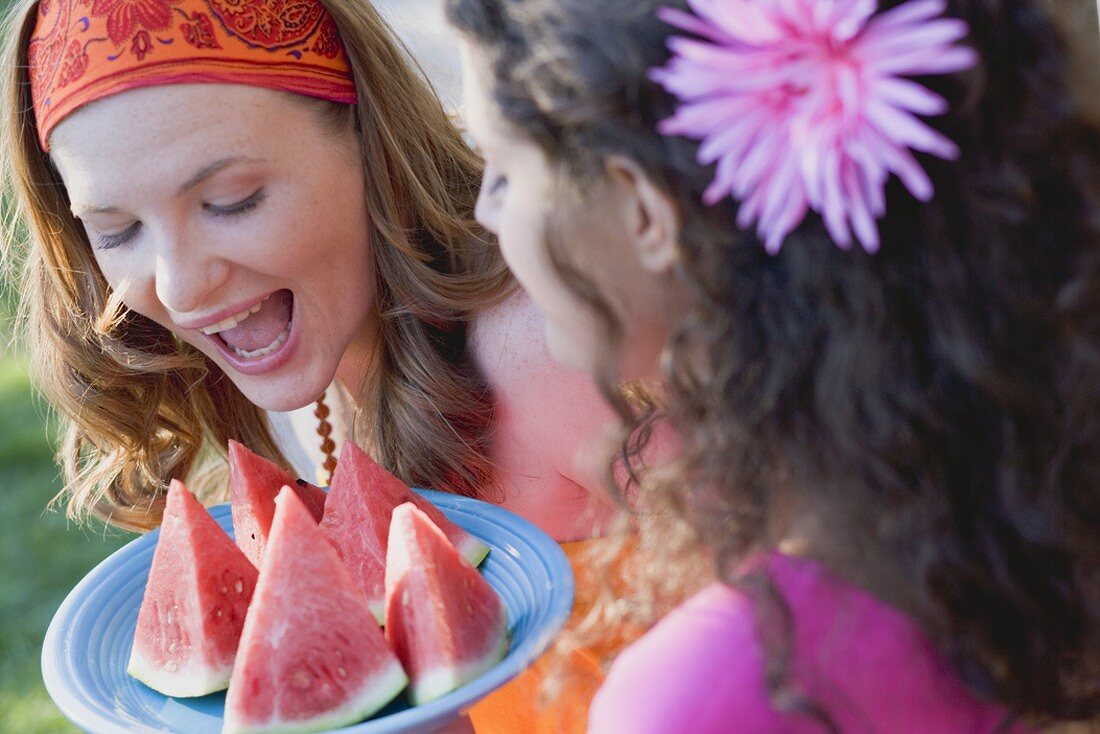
{"x": 209, "y": 170}
{"x": 80, "y": 211}
{"x": 203, "y": 174}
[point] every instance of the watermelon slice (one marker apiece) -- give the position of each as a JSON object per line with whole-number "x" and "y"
{"x": 194, "y": 605}
{"x": 311, "y": 656}
{"x": 357, "y": 521}
{"x": 253, "y": 483}
{"x": 443, "y": 620}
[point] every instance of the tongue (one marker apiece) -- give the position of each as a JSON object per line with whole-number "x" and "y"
{"x": 263, "y": 327}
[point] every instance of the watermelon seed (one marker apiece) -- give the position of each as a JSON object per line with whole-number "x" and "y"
{"x": 239, "y": 586}
{"x": 301, "y": 680}
{"x": 171, "y": 666}
{"x": 225, "y": 589}
{"x": 341, "y": 672}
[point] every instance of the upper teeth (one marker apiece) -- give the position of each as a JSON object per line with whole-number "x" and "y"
{"x": 230, "y": 321}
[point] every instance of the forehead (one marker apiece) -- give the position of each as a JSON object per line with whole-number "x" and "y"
{"x": 213, "y": 113}
{"x": 149, "y": 132}
{"x": 481, "y": 113}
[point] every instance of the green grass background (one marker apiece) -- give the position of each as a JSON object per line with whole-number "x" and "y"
{"x": 42, "y": 556}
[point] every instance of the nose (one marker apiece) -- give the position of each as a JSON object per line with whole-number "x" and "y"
{"x": 188, "y": 272}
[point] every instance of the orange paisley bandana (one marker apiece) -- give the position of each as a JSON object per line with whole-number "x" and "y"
{"x": 84, "y": 50}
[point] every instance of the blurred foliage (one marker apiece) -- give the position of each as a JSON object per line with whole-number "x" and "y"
{"x": 43, "y": 554}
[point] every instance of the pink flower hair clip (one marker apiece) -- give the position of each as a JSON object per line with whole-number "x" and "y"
{"x": 805, "y": 105}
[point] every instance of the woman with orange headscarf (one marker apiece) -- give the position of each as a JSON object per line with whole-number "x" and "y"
{"x": 233, "y": 206}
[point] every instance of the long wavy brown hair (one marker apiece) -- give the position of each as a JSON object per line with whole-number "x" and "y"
{"x": 140, "y": 408}
{"x": 936, "y": 406}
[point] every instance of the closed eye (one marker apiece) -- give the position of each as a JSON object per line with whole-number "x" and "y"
{"x": 240, "y": 207}
{"x": 110, "y": 241}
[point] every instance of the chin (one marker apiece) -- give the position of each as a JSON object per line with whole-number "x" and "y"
{"x": 292, "y": 395}
{"x": 567, "y": 350}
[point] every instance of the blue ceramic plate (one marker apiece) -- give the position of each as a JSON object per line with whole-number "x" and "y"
{"x": 87, "y": 646}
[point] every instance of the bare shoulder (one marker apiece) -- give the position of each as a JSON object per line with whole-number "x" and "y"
{"x": 509, "y": 343}
{"x": 510, "y": 347}
{"x": 549, "y": 417}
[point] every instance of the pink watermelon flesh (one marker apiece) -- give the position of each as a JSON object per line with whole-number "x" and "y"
{"x": 357, "y": 521}
{"x": 253, "y": 483}
{"x": 443, "y": 620}
{"x": 194, "y": 605}
{"x": 311, "y": 655}
{"x": 312, "y": 496}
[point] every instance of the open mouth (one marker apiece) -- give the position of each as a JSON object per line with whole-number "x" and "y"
{"x": 257, "y": 332}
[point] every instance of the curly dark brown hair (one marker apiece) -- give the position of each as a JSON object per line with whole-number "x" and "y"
{"x": 936, "y": 405}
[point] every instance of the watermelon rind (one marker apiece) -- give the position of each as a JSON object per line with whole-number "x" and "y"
{"x": 434, "y": 684}
{"x": 375, "y": 693}
{"x": 358, "y": 510}
{"x": 187, "y": 630}
{"x": 473, "y": 550}
{"x": 195, "y": 681}
{"x": 300, "y": 565}
{"x": 418, "y": 549}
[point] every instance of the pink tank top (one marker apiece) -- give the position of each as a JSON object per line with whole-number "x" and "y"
{"x": 864, "y": 663}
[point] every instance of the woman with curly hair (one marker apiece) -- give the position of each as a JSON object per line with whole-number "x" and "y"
{"x": 859, "y": 244}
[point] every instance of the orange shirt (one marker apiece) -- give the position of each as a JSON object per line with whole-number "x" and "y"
{"x": 516, "y": 708}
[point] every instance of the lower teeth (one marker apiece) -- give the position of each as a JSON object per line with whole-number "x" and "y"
{"x": 264, "y": 351}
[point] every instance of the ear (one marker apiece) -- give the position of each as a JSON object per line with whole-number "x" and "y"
{"x": 652, "y": 217}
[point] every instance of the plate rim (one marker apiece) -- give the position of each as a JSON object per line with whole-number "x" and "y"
{"x": 74, "y": 707}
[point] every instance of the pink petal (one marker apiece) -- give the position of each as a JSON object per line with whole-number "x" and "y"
{"x": 688, "y": 22}
{"x": 942, "y": 32}
{"x": 858, "y": 212}
{"x": 691, "y": 54}
{"x": 901, "y": 127}
{"x": 774, "y": 242}
{"x": 735, "y": 137}
{"x": 868, "y": 160}
{"x": 805, "y": 105}
{"x": 908, "y": 13}
{"x": 722, "y": 185}
{"x": 833, "y": 210}
{"x": 866, "y": 152}
{"x": 788, "y": 10}
{"x": 876, "y": 199}
{"x": 780, "y": 183}
{"x": 744, "y": 20}
{"x": 812, "y": 174}
{"x": 699, "y": 119}
{"x": 912, "y": 176}
{"x": 792, "y": 215}
{"x": 848, "y": 88}
{"x": 853, "y": 18}
{"x": 700, "y": 68}
{"x": 747, "y": 213}
{"x": 908, "y": 95}
{"x": 763, "y": 154}
{"x": 936, "y": 61}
